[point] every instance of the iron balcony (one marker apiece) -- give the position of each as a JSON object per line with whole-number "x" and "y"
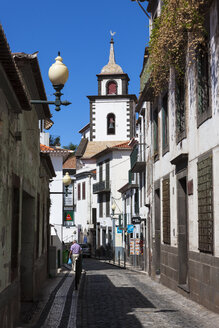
{"x": 101, "y": 187}
{"x": 137, "y": 157}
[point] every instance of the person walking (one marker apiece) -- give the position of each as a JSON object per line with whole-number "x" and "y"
{"x": 75, "y": 251}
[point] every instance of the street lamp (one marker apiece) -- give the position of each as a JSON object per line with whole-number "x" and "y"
{"x": 66, "y": 181}
{"x": 58, "y": 75}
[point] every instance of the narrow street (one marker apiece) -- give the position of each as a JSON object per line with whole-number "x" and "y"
{"x": 112, "y": 297}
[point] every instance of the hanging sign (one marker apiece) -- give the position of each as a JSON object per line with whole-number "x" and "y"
{"x": 130, "y": 228}
{"x": 136, "y": 220}
{"x": 119, "y": 230}
{"x": 68, "y": 215}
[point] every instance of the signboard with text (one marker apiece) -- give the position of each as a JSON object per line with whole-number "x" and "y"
{"x": 136, "y": 220}
{"x": 135, "y": 246}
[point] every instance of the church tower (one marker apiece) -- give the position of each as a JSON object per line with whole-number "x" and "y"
{"x": 112, "y": 111}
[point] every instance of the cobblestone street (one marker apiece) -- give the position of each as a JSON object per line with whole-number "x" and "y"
{"x": 113, "y": 297}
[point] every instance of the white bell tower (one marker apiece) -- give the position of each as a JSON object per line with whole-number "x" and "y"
{"x": 112, "y": 111}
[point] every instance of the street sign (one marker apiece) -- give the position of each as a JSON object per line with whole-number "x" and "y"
{"x": 119, "y": 230}
{"x": 136, "y": 220}
{"x": 130, "y": 228}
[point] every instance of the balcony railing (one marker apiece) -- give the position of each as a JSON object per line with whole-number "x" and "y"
{"x": 137, "y": 157}
{"x": 102, "y": 186}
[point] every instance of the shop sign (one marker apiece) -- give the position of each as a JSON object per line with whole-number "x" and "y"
{"x": 136, "y": 220}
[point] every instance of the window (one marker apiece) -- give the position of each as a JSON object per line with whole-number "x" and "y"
{"x": 166, "y": 211}
{"x": 155, "y": 128}
{"x": 136, "y": 202}
{"x": 107, "y": 174}
{"x": 203, "y": 80}
{"x": 83, "y": 191}
{"x": 108, "y": 204}
{"x": 111, "y": 88}
{"x": 203, "y": 86}
{"x": 79, "y": 191}
{"x": 100, "y": 205}
{"x": 165, "y": 122}
{"x": 180, "y": 109}
{"x": 205, "y": 205}
{"x": 111, "y": 123}
{"x": 100, "y": 172}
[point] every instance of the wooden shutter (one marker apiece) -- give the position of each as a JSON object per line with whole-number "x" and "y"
{"x": 101, "y": 172}
{"x": 165, "y": 122}
{"x": 166, "y": 211}
{"x": 107, "y": 174}
{"x": 155, "y": 131}
{"x": 83, "y": 190}
{"x": 79, "y": 191}
{"x": 108, "y": 204}
{"x": 100, "y": 205}
{"x": 205, "y": 205}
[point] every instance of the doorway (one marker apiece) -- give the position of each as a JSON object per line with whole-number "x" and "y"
{"x": 27, "y": 247}
{"x": 157, "y": 232}
{"x": 182, "y": 210}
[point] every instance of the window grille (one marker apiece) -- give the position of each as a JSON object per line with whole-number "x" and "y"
{"x": 205, "y": 205}
{"x": 166, "y": 211}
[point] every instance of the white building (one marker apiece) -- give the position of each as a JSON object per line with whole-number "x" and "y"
{"x": 181, "y": 152}
{"x": 104, "y": 148}
{"x": 60, "y": 230}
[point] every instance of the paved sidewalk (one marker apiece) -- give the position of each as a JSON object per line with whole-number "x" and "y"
{"x": 56, "y": 306}
{"x": 112, "y": 297}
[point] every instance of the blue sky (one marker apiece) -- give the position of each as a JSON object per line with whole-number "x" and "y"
{"x": 80, "y": 31}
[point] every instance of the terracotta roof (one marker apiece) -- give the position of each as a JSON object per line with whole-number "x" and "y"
{"x": 118, "y": 146}
{"x": 123, "y": 145}
{"x": 95, "y": 147}
{"x": 49, "y": 149}
{"x": 12, "y": 72}
{"x": 70, "y": 162}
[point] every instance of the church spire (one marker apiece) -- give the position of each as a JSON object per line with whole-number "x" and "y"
{"x": 112, "y": 67}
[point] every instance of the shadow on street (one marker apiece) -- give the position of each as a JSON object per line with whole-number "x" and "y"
{"x": 102, "y": 304}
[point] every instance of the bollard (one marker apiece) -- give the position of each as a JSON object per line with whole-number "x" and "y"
{"x": 78, "y": 271}
{"x": 119, "y": 258}
{"x": 124, "y": 259}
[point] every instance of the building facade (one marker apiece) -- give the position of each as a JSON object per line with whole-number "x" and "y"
{"x": 181, "y": 183}
{"x": 24, "y": 189}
